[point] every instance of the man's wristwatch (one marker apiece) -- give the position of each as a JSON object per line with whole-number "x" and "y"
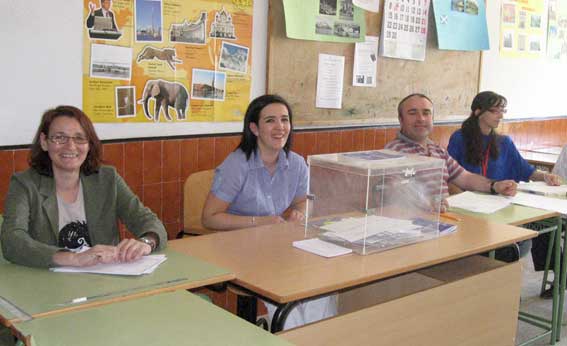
{"x": 492, "y": 191}
{"x": 149, "y": 241}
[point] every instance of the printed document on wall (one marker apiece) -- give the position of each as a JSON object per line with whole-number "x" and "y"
{"x": 523, "y": 28}
{"x": 365, "y": 61}
{"x": 368, "y": 5}
{"x": 330, "y": 81}
{"x": 404, "y": 29}
{"x": 461, "y": 24}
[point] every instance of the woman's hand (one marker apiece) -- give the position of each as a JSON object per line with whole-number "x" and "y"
{"x": 130, "y": 250}
{"x": 552, "y": 179}
{"x": 294, "y": 215}
{"x": 95, "y": 255}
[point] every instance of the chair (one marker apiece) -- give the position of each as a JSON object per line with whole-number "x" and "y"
{"x": 560, "y": 167}
{"x": 195, "y": 192}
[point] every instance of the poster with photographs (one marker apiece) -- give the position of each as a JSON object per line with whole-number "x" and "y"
{"x": 557, "y": 30}
{"x": 461, "y": 24}
{"x": 523, "y": 29}
{"x": 404, "y": 29}
{"x": 324, "y": 20}
{"x": 167, "y": 61}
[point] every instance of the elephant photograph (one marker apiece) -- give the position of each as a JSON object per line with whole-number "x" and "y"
{"x": 165, "y": 94}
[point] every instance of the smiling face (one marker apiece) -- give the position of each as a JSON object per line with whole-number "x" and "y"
{"x": 273, "y": 128}
{"x": 416, "y": 118}
{"x": 68, "y": 157}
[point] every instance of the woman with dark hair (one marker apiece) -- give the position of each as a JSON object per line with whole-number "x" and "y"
{"x": 262, "y": 182}
{"x": 63, "y": 211}
{"x": 479, "y": 149}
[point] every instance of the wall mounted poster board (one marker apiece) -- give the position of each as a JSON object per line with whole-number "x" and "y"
{"x": 450, "y": 78}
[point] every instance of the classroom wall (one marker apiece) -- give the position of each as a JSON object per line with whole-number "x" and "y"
{"x": 157, "y": 169}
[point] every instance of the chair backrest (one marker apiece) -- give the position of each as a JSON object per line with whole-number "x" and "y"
{"x": 560, "y": 167}
{"x": 195, "y": 192}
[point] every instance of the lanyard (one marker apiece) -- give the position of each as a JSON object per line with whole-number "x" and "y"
{"x": 485, "y": 160}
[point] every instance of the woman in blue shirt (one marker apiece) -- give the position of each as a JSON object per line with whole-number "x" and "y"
{"x": 263, "y": 182}
{"x": 479, "y": 149}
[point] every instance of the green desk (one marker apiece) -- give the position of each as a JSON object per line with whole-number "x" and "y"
{"x": 39, "y": 292}
{"x": 175, "y": 318}
{"x": 521, "y": 215}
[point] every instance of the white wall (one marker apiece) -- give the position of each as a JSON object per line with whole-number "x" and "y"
{"x": 40, "y": 59}
{"x": 533, "y": 87}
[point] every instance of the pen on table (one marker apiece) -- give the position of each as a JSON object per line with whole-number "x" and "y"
{"x": 450, "y": 217}
{"x": 116, "y": 293}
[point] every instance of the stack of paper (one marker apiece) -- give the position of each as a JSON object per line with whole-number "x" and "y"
{"x": 144, "y": 265}
{"x": 541, "y": 188}
{"x": 541, "y": 202}
{"x": 355, "y": 229}
{"x": 321, "y": 248}
{"x": 478, "y": 203}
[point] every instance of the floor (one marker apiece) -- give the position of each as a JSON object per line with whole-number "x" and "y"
{"x": 531, "y": 302}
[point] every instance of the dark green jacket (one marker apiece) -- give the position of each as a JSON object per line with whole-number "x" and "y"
{"x": 30, "y": 228}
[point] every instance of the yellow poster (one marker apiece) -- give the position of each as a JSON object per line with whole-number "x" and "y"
{"x": 523, "y": 28}
{"x": 166, "y": 60}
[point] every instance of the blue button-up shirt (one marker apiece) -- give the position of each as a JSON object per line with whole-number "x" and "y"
{"x": 252, "y": 191}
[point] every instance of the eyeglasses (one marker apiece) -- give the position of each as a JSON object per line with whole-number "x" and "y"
{"x": 496, "y": 110}
{"x": 63, "y": 139}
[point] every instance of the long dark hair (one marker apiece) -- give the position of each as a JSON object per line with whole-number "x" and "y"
{"x": 470, "y": 128}
{"x": 40, "y": 160}
{"x": 249, "y": 141}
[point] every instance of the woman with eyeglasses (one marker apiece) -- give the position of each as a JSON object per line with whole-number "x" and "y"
{"x": 480, "y": 149}
{"x": 63, "y": 211}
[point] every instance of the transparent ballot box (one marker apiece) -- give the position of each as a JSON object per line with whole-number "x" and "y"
{"x": 376, "y": 200}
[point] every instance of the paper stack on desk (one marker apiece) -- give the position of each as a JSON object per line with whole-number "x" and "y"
{"x": 478, "y": 203}
{"x": 321, "y": 248}
{"x": 541, "y": 188}
{"x": 541, "y": 202}
{"x": 145, "y": 265}
{"x": 353, "y": 229}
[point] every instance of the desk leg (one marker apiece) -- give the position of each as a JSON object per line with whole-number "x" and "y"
{"x": 247, "y": 308}
{"x": 280, "y": 316}
{"x": 563, "y": 276}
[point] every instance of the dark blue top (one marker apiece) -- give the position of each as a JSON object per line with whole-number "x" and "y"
{"x": 509, "y": 164}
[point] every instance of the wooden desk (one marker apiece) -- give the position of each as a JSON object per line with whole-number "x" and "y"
{"x": 265, "y": 262}
{"x": 521, "y": 215}
{"x": 547, "y": 150}
{"x": 176, "y": 318}
{"x": 39, "y": 292}
{"x": 544, "y": 160}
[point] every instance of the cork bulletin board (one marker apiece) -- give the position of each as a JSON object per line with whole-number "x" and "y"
{"x": 449, "y": 78}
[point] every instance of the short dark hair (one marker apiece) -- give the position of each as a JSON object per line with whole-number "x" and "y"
{"x": 249, "y": 141}
{"x": 472, "y": 135}
{"x": 423, "y": 96}
{"x": 40, "y": 160}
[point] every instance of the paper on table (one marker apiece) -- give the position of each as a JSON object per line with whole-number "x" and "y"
{"x": 478, "y": 203}
{"x": 144, "y": 265}
{"x": 321, "y": 248}
{"x": 330, "y": 81}
{"x": 368, "y": 5}
{"x": 541, "y": 188}
{"x": 352, "y": 229}
{"x": 365, "y": 62}
{"x": 541, "y": 202}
